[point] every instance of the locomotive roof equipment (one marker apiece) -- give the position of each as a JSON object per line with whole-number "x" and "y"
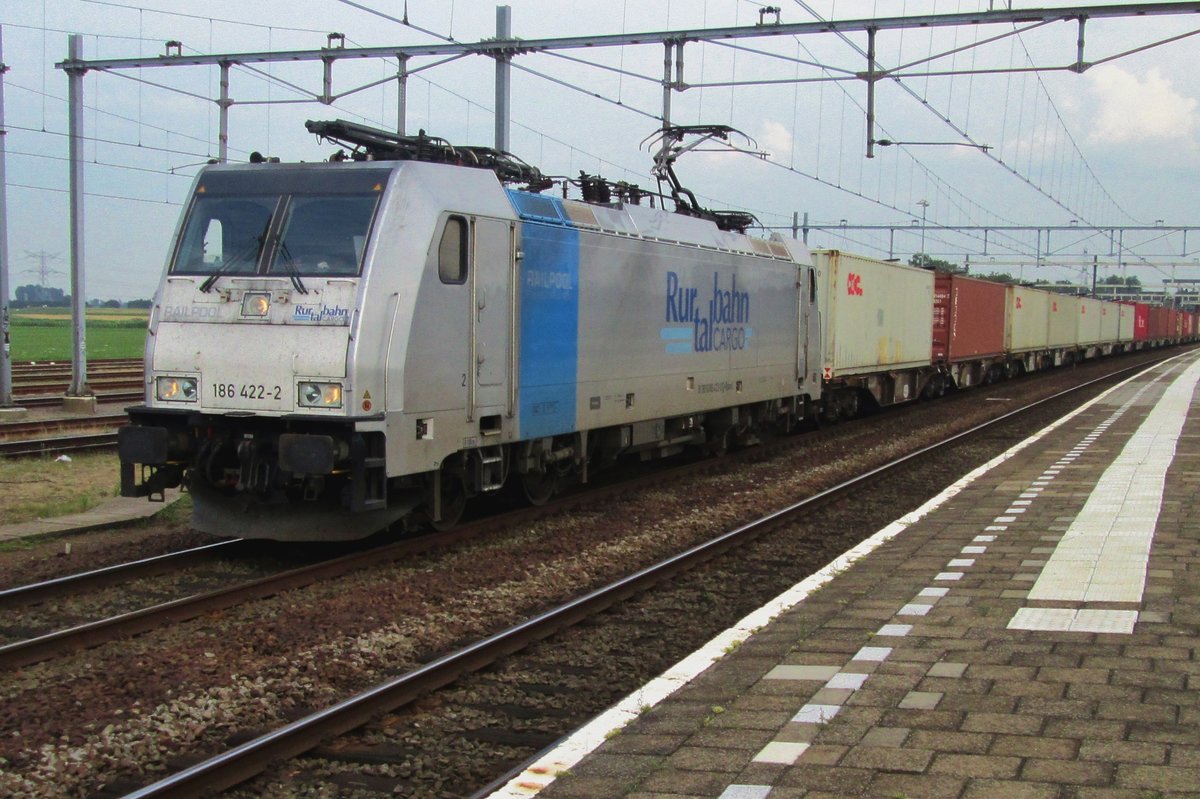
{"x": 373, "y": 144}
{"x": 671, "y": 147}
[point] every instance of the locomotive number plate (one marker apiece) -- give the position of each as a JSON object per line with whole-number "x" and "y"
{"x": 247, "y": 391}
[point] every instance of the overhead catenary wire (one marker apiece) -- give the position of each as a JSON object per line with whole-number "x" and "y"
{"x": 1074, "y": 144}
{"x": 174, "y": 172}
{"x": 96, "y": 109}
{"x": 139, "y": 146}
{"x": 94, "y": 194}
{"x": 1054, "y": 178}
{"x": 208, "y": 17}
{"x": 917, "y": 163}
{"x": 944, "y": 118}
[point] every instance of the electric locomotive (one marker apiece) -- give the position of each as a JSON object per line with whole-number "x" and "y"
{"x": 339, "y": 347}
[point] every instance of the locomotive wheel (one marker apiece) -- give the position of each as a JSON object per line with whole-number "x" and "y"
{"x": 538, "y": 487}
{"x": 454, "y": 502}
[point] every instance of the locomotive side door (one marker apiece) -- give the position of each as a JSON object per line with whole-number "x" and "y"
{"x": 809, "y": 351}
{"x": 491, "y": 321}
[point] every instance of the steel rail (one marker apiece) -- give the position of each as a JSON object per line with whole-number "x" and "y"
{"x": 24, "y": 427}
{"x": 67, "y": 585}
{"x": 84, "y": 636}
{"x": 47, "y": 446}
{"x": 50, "y": 400}
{"x": 110, "y": 383}
{"x": 253, "y": 757}
{"x": 106, "y": 366}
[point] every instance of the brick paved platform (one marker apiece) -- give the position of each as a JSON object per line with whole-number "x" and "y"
{"x": 1031, "y": 633}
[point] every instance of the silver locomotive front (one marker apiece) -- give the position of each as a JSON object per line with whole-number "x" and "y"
{"x": 249, "y": 397}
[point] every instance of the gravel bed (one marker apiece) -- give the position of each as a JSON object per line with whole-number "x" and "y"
{"x": 470, "y": 734}
{"x": 31, "y": 560}
{"x": 121, "y": 713}
{"x": 135, "y": 594}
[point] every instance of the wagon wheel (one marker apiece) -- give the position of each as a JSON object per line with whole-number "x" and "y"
{"x": 849, "y": 409}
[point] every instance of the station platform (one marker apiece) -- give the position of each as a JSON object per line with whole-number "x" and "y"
{"x": 113, "y": 511}
{"x": 1033, "y": 631}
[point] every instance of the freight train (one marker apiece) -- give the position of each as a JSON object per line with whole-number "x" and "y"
{"x": 339, "y": 347}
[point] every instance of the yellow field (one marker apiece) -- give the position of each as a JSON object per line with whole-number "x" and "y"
{"x": 93, "y": 314}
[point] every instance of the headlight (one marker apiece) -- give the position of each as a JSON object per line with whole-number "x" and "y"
{"x": 177, "y": 389}
{"x": 320, "y": 395}
{"x": 256, "y": 304}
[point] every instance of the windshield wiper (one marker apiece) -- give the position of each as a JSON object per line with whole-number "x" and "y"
{"x": 289, "y": 266}
{"x": 254, "y": 247}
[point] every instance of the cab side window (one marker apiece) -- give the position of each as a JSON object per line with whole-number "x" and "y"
{"x": 453, "y": 250}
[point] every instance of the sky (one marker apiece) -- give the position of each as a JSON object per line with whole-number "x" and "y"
{"x": 1118, "y": 145}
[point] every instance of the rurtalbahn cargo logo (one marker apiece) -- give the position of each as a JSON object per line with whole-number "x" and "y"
{"x": 854, "y": 285}
{"x": 718, "y": 325}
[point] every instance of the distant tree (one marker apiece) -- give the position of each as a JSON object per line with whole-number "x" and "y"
{"x": 1113, "y": 280}
{"x": 1132, "y": 281}
{"x": 111, "y": 304}
{"x": 139, "y": 303}
{"x": 928, "y": 262}
{"x": 32, "y": 295}
{"x": 999, "y": 277}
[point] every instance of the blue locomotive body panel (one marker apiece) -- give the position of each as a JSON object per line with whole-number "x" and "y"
{"x": 548, "y": 338}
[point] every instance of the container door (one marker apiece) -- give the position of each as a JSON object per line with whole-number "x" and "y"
{"x": 491, "y": 326}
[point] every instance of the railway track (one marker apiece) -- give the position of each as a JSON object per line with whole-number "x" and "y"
{"x": 335, "y": 762}
{"x": 76, "y": 637}
{"x": 38, "y": 369}
{"x": 57, "y": 435}
{"x": 43, "y": 385}
{"x": 132, "y": 394}
{"x": 52, "y": 644}
{"x": 35, "y": 384}
{"x": 72, "y": 584}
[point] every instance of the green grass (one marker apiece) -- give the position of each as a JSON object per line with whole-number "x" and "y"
{"x": 45, "y": 487}
{"x": 44, "y": 334}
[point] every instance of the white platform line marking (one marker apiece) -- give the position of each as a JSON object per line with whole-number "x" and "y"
{"x": 1104, "y": 553}
{"x": 1085, "y": 620}
{"x": 781, "y": 752}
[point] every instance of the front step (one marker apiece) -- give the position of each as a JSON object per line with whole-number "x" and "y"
{"x": 489, "y": 468}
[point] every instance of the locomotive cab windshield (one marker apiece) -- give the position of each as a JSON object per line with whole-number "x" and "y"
{"x": 280, "y": 223}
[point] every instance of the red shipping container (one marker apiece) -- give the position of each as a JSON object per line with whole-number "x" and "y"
{"x": 1172, "y": 323}
{"x": 1159, "y": 322}
{"x": 1141, "y": 321}
{"x": 968, "y": 318}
